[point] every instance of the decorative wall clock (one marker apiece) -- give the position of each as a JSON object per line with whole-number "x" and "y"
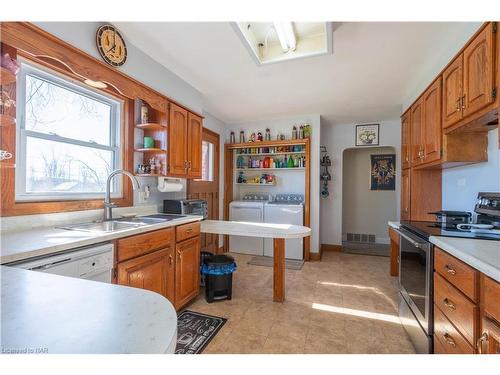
{"x": 111, "y": 45}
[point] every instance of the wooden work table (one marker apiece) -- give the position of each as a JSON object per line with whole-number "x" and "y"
{"x": 279, "y": 232}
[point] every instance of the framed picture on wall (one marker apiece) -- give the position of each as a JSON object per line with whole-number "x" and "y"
{"x": 367, "y": 135}
{"x": 383, "y": 172}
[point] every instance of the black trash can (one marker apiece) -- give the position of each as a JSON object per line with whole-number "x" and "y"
{"x": 203, "y": 254}
{"x": 218, "y": 273}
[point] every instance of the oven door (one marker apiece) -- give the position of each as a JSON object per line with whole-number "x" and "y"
{"x": 415, "y": 277}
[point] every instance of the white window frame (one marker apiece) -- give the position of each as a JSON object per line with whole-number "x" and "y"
{"x": 115, "y": 146}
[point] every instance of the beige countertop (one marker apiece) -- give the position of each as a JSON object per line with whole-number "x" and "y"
{"x": 29, "y": 243}
{"x": 264, "y": 230}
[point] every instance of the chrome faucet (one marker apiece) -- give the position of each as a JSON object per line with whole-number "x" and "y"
{"x": 108, "y": 205}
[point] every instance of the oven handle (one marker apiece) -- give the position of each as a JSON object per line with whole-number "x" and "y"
{"x": 406, "y": 235}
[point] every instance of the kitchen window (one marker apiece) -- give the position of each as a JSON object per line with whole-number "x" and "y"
{"x": 207, "y": 161}
{"x": 68, "y": 138}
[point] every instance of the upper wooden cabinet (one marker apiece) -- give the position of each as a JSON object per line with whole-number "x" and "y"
{"x": 431, "y": 128}
{"x": 406, "y": 140}
{"x": 478, "y": 72}
{"x": 195, "y": 130}
{"x": 452, "y": 92}
{"x": 417, "y": 133}
{"x": 468, "y": 81}
{"x": 184, "y": 143}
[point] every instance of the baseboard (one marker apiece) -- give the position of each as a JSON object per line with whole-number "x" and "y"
{"x": 315, "y": 256}
{"x": 329, "y": 247}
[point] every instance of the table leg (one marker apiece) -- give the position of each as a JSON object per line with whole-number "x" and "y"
{"x": 279, "y": 270}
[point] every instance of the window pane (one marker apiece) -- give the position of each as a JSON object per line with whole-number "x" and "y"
{"x": 53, "y": 109}
{"x": 55, "y": 167}
{"x": 207, "y": 161}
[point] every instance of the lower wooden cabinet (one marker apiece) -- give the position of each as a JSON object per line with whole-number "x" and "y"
{"x": 489, "y": 341}
{"x": 187, "y": 271}
{"x": 153, "y": 271}
{"x": 447, "y": 338}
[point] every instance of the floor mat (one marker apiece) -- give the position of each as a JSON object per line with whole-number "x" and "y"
{"x": 195, "y": 330}
{"x": 375, "y": 249}
{"x": 290, "y": 264}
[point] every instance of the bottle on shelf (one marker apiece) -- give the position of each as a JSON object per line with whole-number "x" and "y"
{"x": 290, "y": 163}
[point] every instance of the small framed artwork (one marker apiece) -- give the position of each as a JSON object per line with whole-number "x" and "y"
{"x": 367, "y": 135}
{"x": 383, "y": 172}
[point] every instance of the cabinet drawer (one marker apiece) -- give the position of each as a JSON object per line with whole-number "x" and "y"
{"x": 134, "y": 246}
{"x": 457, "y": 308}
{"x": 183, "y": 232}
{"x": 491, "y": 297}
{"x": 450, "y": 340}
{"x": 459, "y": 274}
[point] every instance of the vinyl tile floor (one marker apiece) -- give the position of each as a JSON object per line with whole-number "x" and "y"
{"x": 346, "y": 303}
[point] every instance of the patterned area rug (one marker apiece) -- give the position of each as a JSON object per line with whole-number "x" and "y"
{"x": 290, "y": 264}
{"x": 195, "y": 331}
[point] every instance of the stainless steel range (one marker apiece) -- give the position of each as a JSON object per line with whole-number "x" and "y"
{"x": 416, "y": 258}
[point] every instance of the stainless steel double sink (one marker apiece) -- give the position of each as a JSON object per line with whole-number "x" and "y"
{"x": 123, "y": 223}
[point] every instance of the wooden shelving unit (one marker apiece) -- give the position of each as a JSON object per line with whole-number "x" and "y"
{"x": 6, "y": 77}
{"x": 255, "y": 184}
{"x": 270, "y": 169}
{"x": 233, "y": 150}
{"x": 154, "y": 149}
{"x": 151, "y": 126}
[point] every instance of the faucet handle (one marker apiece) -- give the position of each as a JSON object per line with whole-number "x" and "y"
{"x": 110, "y": 205}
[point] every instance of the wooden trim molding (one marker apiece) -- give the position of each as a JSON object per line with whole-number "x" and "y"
{"x": 329, "y": 247}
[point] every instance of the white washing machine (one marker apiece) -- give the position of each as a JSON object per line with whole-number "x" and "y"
{"x": 250, "y": 211}
{"x": 285, "y": 211}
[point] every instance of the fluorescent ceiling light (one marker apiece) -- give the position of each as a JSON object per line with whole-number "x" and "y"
{"x": 286, "y": 35}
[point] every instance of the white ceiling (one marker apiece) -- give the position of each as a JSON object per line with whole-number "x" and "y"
{"x": 373, "y": 69}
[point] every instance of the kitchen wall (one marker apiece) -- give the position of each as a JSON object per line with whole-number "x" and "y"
{"x": 461, "y": 184}
{"x": 337, "y": 138}
{"x": 365, "y": 211}
{"x": 284, "y": 125}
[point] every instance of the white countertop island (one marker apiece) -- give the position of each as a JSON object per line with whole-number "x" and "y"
{"x": 44, "y": 313}
{"x": 279, "y": 232}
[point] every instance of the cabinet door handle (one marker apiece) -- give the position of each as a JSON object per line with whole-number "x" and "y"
{"x": 189, "y": 230}
{"x": 170, "y": 259}
{"x": 480, "y": 340}
{"x": 450, "y": 270}
{"x": 449, "y": 340}
{"x": 458, "y": 104}
{"x": 463, "y": 102}
{"x": 449, "y": 304}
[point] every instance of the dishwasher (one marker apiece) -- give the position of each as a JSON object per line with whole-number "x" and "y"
{"x": 91, "y": 263}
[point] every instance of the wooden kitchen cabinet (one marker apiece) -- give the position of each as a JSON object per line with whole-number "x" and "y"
{"x": 452, "y": 92}
{"x": 431, "y": 124}
{"x": 187, "y": 271}
{"x": 405, "y": 141}
{"x": 417, "y": 131}
{"x": 468, "y": 81}
{"x": 177, "y": 141}
{"x": 405, "y": 194}
{"x": 489, "y": 341}
{"x": 478, "y": 72}
{"x": 194, "y": 145}
{"x": 153, "y": 271}
{"x": 184, "y": 143}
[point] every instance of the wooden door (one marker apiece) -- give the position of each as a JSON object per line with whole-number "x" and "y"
{"x": 187, "y": 271}
{"x": 452, "y": 92}
{"x": 194, "y": 135}
{"x": 405, "y": 194}
{"x": 416, "y": 133}
{"x": 177, "y": 141}
{"x": 478, "y": 72}
{"x": 432, "y": 137}
{"x": 207, "y": 187}
{"x": 406, "y": 141}
{"x": 154, "y": 271}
